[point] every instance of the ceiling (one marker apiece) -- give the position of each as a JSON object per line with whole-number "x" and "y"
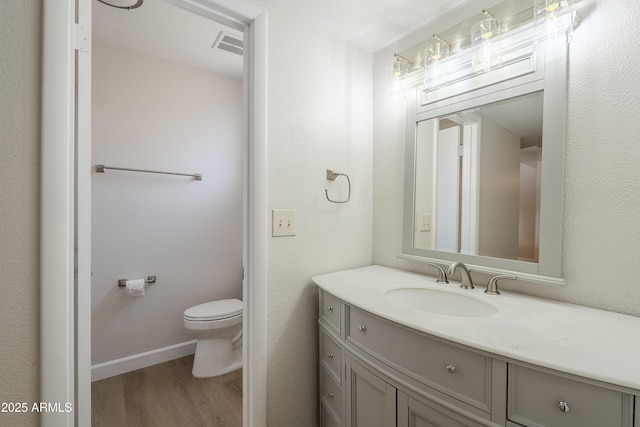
{"x": 369, "y": 24}
{"x": 160, "y": 29}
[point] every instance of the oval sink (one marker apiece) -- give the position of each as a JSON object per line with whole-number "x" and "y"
{"x": 440, "y": 301}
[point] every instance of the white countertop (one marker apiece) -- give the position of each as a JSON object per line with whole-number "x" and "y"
{"x": 583, "y": 341}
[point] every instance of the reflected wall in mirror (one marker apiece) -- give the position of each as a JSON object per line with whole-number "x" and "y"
{"x": 477, "y": 180}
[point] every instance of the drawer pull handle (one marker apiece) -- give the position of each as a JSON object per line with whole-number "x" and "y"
{"x": 330, "y": 395}
{"x": 330, "y": 308}
{"x": 330, "y": 355}
{"x": 362, "y": 328}
{"x": 451, "y": 369}
{"x": 564, "y": 406}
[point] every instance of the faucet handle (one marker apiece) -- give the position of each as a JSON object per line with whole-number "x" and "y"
{"x": 442, "y": 276}
{"x": 492, "y": 287}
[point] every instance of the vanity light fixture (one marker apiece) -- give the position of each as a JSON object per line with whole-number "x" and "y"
{"x": 553, "y": 19}
{"x": 400, "y": 66}
{"x": 434, "y": 61}
{"x": 485, "y": 46}
{"x": 399, "y": 69}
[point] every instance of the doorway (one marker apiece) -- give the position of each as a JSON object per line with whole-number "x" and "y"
{"x": 66, "y": 208}
{"x": 166, "y": 99}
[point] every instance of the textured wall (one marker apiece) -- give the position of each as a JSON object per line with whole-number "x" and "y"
{"x": 150, "y": 113}
{"x": 602, "y": 179}
{"x": 20, "y": 66}
{"x": 319, "y": 117}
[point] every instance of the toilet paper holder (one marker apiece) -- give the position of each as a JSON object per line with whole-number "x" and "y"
{"x": 122, "y": 283}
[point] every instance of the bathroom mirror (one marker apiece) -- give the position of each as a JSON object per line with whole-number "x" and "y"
{"x": 484, "y": 172}
{"x": 477, "y": 180}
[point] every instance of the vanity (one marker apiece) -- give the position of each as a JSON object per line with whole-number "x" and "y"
{"x": 483, "y": 189}
{"x": 398, "y": 349}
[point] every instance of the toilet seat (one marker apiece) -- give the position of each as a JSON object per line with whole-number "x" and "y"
{"x": 214, "y": 310}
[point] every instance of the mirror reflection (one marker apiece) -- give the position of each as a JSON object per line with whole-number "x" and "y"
{"x": 477, "y": 180}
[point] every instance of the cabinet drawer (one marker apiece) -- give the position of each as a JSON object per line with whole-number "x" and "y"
{"x": 331, "y": 311}
{"x": 458, "y": 373}
{"x": 331, "y": 356}
{"x": 330, "y": 394}
{"x": 538, "y": 398}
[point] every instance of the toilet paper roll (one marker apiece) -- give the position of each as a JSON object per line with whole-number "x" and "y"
{"x": 135, "y": 287}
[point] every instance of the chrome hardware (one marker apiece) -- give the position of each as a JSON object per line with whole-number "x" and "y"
{"x": 442, "y": 276}
{"x": 102, "y": 168}
{"x": 362, "y": 328}
{"x": 330, "y": 308}
{"x": 564, "y": 406}
{"x": 330, "y": 395}
{"x": 465, "y": 274}
{"x": 492, "y": 287}
{"x": 331, "y": 176}
{"x": 451, "y": 369}
{"x": 149, "y": 280}
{"x": 330, "y": 355}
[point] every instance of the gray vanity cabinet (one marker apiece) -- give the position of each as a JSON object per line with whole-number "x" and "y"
{"x": 374, "y": 372}
{"x": 332, "y": 360}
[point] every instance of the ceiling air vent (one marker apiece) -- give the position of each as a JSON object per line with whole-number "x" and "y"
{"x": 228, "y": 42}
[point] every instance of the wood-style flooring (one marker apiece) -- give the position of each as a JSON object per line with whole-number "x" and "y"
{"x": 167, "y": 395}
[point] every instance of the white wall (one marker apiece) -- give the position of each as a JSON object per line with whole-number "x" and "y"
{"x": 150, "y": 113}
{"x": 319, "y": 117}
{"x": 499, "y": 199}
{"x": 530, "y": 164}
{"x": 426, "y": 178}
{"x": 20, "y": 71}
{"x": 602, "y": 179}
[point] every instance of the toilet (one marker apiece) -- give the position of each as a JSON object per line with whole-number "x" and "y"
{"x": 217, "y": 326}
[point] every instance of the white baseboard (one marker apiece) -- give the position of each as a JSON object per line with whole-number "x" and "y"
{"x": 141, "y": 360}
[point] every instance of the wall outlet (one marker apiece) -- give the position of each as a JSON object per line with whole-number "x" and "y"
{"x": 284, "y": 222}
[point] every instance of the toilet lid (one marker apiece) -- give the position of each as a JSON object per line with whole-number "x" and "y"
{"x": 214, "y": 310}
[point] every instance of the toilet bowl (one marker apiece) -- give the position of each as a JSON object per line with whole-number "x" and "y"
{"x": 217, "y": 326}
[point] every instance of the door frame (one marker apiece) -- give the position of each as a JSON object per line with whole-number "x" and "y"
{"x": 65, "y": 225}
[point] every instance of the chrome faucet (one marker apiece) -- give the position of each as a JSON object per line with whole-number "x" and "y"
{"x": 467, "y": 283}
{"x": 442, "y": 276}
{"x": 492, "y": 287}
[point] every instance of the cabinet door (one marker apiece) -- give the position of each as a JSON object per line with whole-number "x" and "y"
{"x": 414, "y": 412}
{"x": 372, "y": 402}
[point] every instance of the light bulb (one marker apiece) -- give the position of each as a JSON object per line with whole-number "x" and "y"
{"x": 552, "y": 19}
{"x": 434, "y": 60}
{"x": 485, "y": 52}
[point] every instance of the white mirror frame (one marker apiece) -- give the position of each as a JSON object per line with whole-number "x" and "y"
{"x": 65, "y": 371}
{"x": 544, "y": 69}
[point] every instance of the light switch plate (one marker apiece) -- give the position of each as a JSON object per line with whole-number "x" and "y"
{"x": 284, "y": 222}
{"x": 425, "y": 225}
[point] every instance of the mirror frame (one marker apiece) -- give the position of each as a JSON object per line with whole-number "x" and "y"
{"x": 542, "y": 68}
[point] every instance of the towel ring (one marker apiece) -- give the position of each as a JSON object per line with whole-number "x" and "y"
{"x": 331, "y": 176}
